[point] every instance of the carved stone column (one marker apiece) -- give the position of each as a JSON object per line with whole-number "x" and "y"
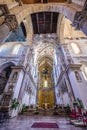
{"x": 75, "y": 78}
{"x": 10, "y": 24}
{"x": 64, "y": 55}
{"x": 4, "y": 32}
{"x": 85, "y": 5}
{"x": 11, "y": 21}
{"x": 80, "y": 19}
{"x": 4, "y": 9}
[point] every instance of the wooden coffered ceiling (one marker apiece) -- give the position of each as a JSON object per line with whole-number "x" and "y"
{"x": 44, "y": 22}
{"x": 41, "y": 1}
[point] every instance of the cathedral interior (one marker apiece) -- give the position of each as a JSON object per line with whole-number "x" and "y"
{"x": 43, "y": 56}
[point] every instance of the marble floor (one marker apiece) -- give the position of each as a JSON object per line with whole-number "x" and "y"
{"x": 25, "y": 123}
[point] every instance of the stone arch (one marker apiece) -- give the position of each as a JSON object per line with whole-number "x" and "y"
{"x": 5, "y": 65}
{"x": 29, "y": 28}
{"x": 63, "y": 8}
{"x": 65, "y": 30}
{"x": 23, "y": 28}
{"x": 60, "y": 28}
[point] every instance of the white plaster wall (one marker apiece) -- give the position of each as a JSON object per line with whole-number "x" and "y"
{"x": 33, "y": 100}
{"x": 25, "y": 99}
{"x": 82, "y": 88}
{"x": 74, "y": 84}
{"x": 82, "y": 44}
{"x": 18, "y": 85}
{"x": 66, "y": 99}
{"x": 79, "y": 2}
{"x": 79, "y": 89}
{"x": 59, "y": 100}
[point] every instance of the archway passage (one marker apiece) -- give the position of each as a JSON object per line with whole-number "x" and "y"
{"x": 45, "y": 57}
{"x": 51, "y": 57}
{"x": 46, "y": 87}
{"x": 4, "y": 76}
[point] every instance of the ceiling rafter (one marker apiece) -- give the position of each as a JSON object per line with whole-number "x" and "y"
{"x": 37, "y": 23}
{"x": 44, "y": 22}
{"x": 51, "y": 22}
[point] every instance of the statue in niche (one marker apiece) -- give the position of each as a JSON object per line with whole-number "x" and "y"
{"x": 14, "y": 78}
{"x": 78, "y": 77}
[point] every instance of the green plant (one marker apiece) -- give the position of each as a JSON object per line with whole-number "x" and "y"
{"x": 80, "y": 104}
{"x": 15, "y": 103}
{"x": 75, "y": 104}
{"x": 67, "y": 109}
{"x": 36, "y": 110}
{"x": 23, "y": 108}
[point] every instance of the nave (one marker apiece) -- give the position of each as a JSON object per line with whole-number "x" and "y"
{"x": 43, "y": 63}
{"x": 25, "y": 123}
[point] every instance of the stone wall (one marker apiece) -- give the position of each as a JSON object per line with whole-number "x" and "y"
{"x": 7, "y": 1}
{"x": 79, "y": 2}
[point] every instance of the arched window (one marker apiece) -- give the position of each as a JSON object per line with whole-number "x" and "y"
{"x": 75, "y": 48}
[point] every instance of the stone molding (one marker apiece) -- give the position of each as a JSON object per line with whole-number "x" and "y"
{"x": 20, "y": 2}
{"x": 73, "y": 67}
{"x": 63, "y": 8}
{"x": 80, "y": 19}
{"x": 4, "y": 9}
{"x": 11, "y": 21}
{"x": 85, "y": 5}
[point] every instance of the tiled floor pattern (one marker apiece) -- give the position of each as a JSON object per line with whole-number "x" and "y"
{"x": 25, "y": 123}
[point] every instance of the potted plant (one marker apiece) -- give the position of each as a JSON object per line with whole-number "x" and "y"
{"x": 23, "y": 108}
{"x": 75, "y": 104}
{"x": 67, "y": 109}
{"x": 36, "y": 110}
{"x": 15, "y": 104}
{"x": 80, "y": 104}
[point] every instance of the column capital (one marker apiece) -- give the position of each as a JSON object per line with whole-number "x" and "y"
{"x": 11, "y": 21}
{"x": 18, "y": 68}
{"x": 80, "y": 20}
{"x": 73, "y": 67}
{"x": 4, "y": 9}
